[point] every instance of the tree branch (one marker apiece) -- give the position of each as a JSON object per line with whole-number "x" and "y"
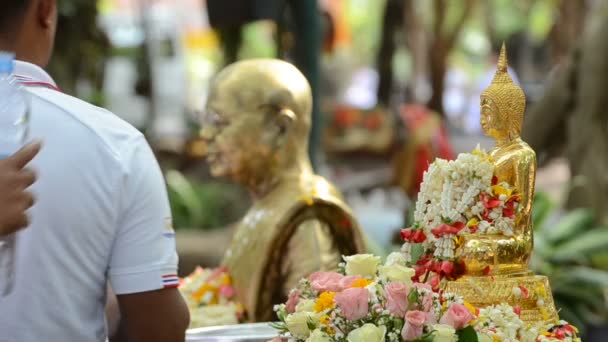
{"x": 466, "y": 12}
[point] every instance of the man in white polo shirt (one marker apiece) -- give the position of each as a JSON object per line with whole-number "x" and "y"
{"x": 101, "y": 215}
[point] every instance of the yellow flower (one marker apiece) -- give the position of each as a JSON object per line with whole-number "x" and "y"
{"x": 500, "y": 190}
{"x": 325, "y": 301}
{"x": 324, "y": 320}
{"x": 473, "y": 222}
{"x": 496, "y": 339}
{"x": 226, "y": 280}
{"x": 361, "y": 283}
{"x": 202, "y": 291}
{"x": 470, "y": 307}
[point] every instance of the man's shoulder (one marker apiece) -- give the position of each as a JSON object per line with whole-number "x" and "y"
{"x": 80, "y": 116}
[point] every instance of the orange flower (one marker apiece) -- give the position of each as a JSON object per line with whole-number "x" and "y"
{"x": 325, "y": 301}
{"x": 361, "y": 283}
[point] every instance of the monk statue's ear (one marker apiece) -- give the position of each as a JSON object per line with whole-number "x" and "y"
{"x": 285, "y": 119}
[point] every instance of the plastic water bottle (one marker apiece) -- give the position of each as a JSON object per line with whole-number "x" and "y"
{"x": 14, "y": 113}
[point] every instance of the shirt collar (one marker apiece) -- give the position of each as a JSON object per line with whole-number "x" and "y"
{"x": 36, "y": 73}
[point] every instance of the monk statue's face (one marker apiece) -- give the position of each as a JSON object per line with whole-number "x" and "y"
{"x": 494, "y": 125}
{"x": 241, "y": 142}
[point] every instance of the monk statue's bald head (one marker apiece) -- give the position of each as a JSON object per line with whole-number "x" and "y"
{"x": 257, "y": 119}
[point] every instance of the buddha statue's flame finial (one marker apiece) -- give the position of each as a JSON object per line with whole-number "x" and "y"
{"x": 503, "y": 62}
{"x": 502, "y": 73}
{"x": 508, "y": 98}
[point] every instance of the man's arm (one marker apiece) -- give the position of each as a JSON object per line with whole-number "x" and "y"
{"x": 14, "y": 180}
{"x": 152, "y": 316}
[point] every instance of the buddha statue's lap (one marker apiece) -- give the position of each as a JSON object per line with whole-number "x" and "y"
{"x": 497, "y": 265}
{"x": 256, "y": 130}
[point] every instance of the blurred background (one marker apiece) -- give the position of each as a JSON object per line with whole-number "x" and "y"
{"x": 396, "y": 84}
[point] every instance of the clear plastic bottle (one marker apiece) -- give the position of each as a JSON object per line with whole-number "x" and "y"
{"x": 14, "y": 112}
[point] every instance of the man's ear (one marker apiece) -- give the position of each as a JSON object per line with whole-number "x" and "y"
{"x": 46, "y": 13}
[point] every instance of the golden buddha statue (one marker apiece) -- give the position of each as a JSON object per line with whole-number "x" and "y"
{"x": 497, "y": 265}
{"x": 256, "y": 128}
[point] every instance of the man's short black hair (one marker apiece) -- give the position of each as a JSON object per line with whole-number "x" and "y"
{"x": 11, "y": 13}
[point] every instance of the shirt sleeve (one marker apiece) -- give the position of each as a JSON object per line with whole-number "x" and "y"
{"x": 144, "y": 257}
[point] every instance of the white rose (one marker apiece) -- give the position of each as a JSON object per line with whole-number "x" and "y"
{"x": 364, "y": 265}
{"x": 398, "y": 273}
{"x": 395, "y": 258}
{"x": 367, "y": 333}
{"x": 444, "y": 333}
{"x": 297, "y": 323}
{"x": 481, "y": 337}
{"x": 306, "y": 305}
{"x": 318, "y": 336}
{"x": 213, "y": 315}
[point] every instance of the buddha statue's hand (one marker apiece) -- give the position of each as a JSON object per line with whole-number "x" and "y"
{"x": 494, "y": 254}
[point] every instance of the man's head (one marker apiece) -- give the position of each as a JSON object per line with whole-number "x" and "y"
{"x": 257, "y": 118}
{"x": 27, "y": 28}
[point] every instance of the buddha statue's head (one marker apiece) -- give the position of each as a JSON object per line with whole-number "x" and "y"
{"x": 257, "y": 120}
{"x": 502, "y": 104}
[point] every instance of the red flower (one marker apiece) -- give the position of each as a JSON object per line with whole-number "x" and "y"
{"x": 435, "y": 283}
{"x": 411, "y": 235}
{"x": 446, "y": 229}
{"x": 517, "y": 310}
{"x": 487, "y": 270}
{"x": 489, "y": 202}
{"x": 524, "y": 292}
{"x": 447, "y": 268}
{"x": 494, "y": 180}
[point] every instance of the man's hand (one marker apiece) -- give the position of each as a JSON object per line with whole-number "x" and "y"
{"x": 155, "y": 316}
{"x": 14, "y": 180}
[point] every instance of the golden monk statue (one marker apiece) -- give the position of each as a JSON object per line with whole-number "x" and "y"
{"x": 497, "y": 265}
{"x": 256, "y": 128}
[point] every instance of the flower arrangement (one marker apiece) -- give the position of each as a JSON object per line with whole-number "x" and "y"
{"x": 369, "y": 301}
{"x": 457, "y": 197}
{"x": 211, "y": 298}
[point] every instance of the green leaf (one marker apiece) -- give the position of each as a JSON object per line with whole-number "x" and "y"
{"x": 575, "y": 222}
{"x": 588, "y": 275}
{"x": 541, "y": 209}
{"x": 581, "y": 246}
{"x": 599, "y": 260}
{"x": 185, "y": 191}
{"x": 427, "y": 337}
{"x": 467, "y": 334}
{"x": 413, "y": 298}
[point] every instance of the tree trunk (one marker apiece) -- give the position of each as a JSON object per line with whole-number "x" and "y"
{"x": 307, "y": 26}
{"x": 576, "y": 100}
{"x": 438, "y": 68}
{"x": 393, "y": 18}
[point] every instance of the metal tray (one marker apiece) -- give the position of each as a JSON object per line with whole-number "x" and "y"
{"x": 256, "y": 332}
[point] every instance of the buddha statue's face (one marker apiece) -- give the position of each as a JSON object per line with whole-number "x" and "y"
{"x": 492, "y": 122}
{"x": 240, "y": 141}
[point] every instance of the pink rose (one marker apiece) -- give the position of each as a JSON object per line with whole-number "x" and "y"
{"x": 353, "y": 302}
{"x": 457, "y": 316}
{"x": 396, "y": 298}
{"x": 326, "y": 281}
{"x": 292, "y": 302}
{"x": 427, "y": 301}
{"x": 348, "y": 281}
{"x": 227, "y": 291}
{"x": 414, "y": 323}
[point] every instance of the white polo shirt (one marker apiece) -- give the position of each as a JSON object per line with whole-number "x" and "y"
{"x": 101, "y": 215}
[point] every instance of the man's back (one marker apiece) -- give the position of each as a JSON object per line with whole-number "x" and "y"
{"x": 101, "y": 215}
